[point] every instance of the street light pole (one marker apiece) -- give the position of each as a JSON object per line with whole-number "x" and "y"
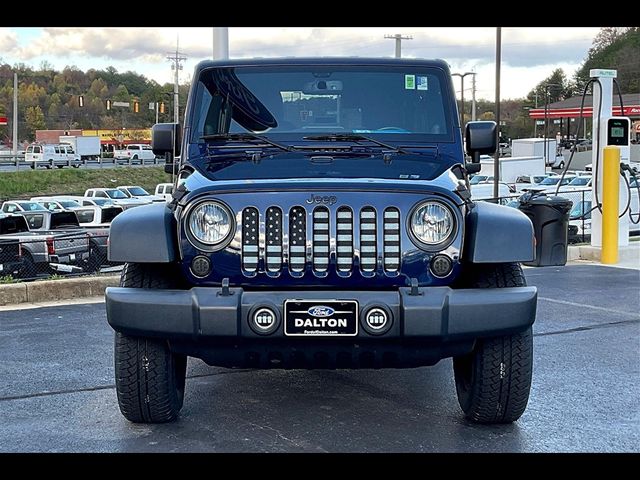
{"x": 462, "y": 75}
{"x": 496, "y": 157}
{"x": 15, "y": 117}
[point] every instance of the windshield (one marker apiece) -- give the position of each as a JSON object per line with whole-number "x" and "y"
{"x": 31, "y": 206}
{"x": 113, "y": 193}
{"x": 580, "y": 181}
{"x": 550, "y": 181}
{"x": 307, "y": 99}
{"x": 579, "y": 209}
{"x": 69, "y": 203}
{"x": 478, "y": 179}
{"x": 138, "y": 191}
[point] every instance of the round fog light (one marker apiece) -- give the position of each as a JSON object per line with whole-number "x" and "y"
{"x": 201, "y": 266}
{"x": 263, "y": 321}
{"x": 377, "y": 320}
{"x": 441, "y": 266}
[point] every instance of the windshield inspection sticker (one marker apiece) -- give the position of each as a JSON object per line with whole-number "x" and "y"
{"x": 423, "y": 83}
{"x": 410, "y": 82}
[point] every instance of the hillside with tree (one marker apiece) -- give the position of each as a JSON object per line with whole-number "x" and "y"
{"x": 50, "y": 99}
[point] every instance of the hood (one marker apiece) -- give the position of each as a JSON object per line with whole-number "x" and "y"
{"x": 292, "y": 165}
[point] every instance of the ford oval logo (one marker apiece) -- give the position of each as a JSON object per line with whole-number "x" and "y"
{"x": 320, "y": 311}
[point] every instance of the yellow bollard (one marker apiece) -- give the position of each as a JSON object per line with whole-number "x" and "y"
{"x": 610, "y": 207}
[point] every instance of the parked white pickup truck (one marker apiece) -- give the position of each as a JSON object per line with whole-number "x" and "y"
{"x": 135, "y": 152}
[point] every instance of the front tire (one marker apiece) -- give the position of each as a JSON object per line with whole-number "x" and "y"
{"x": 150, "y": 378}
{"x": 493, "y": 382}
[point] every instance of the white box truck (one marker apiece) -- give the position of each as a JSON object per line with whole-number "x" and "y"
{"x": 534, "y": 147}
{"x": 513, "y": 167}
{"x": 87, "y": 147}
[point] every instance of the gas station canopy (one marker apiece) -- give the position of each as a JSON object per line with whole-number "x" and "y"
{"x": 570, "y": 108}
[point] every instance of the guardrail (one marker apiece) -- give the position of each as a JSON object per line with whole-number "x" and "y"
{"x": 8, "y": 160}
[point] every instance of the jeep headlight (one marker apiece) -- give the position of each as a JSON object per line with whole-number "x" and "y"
{"x": 432, "y": 224}
{"x": 210, "y": 223}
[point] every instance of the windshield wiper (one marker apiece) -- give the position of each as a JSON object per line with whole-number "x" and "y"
{"x": 247, "y": 137}
{"x": 348, "y": 137}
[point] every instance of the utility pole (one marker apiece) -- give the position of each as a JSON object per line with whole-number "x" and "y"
{"x": 398, "y": 38}
{"x": 15, "y": 117}
{"x": 176, "y": 58}
{"x": 220, "y": 43}
{"x": 496, "y": 157}
{"x": 473, "y": 98}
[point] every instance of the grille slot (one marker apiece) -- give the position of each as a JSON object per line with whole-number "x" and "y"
{"x": 250, "y": 237}
{"x": 297, "y": 239}
{"x": 321, "y": 239}
{"x": 344, "y": 239}
{"x": 391, "y": 240}
{"x": 273, "y": 240}
{"x": 368, "y": 243}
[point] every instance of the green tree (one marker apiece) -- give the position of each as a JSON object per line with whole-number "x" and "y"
{"x": 617, "y": 48}
{"x": 556, "y": 86}
{"x": 34, "y": 120}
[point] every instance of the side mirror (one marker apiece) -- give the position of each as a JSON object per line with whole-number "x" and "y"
{"x": 480, "y": 139}
{"x": 166, "y": 139}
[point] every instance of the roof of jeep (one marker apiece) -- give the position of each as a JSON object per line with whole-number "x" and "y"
{"x": 323, "y": 61}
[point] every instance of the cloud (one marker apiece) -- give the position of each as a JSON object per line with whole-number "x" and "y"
{"x": 8, "y": 41}
{"x": 144, "y": 49}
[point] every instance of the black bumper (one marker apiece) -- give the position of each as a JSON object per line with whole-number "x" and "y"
{"x": 435, "y": 313}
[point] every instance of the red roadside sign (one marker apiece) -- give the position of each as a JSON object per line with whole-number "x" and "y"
{"x": 3, "y": 120}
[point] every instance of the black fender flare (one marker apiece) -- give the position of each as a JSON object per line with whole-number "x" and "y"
{"x": 145, "y": 234}
{"x": 498, "y": 234}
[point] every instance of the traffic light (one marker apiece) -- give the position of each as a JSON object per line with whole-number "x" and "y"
{"x": 81, "y": 101}
{"x": 108, "y": 104}
{"x": 161, "y": 107}
{"x": 136, "y": 106}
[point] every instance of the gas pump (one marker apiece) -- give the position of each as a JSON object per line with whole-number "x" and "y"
{"x": 608, "y": 131}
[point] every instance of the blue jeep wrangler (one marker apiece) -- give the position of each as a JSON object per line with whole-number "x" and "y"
{"x": 322, "y": 219}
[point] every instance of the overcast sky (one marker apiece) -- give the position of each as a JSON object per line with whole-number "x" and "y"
{"x": 528, "y": 54}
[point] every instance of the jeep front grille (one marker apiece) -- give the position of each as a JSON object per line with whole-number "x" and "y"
{"x": 348, "y": 239}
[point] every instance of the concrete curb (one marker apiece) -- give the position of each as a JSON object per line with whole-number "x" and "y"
{"x": 54, "y": 290}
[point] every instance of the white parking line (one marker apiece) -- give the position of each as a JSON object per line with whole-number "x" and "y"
{"x": 592, "y": 307}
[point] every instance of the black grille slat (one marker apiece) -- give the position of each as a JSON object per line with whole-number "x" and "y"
{"x": 250, "y": 238}
{"x": 368, "y": 240}
{"x": 273, "y": 239}
{"x": 391, "y": 239}
{"x": 320, "y": 230}
{"x": 344, "y": 239}
{"x": 297, "y": 239}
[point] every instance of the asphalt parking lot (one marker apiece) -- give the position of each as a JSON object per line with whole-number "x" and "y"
{"x": 57, "y": 393}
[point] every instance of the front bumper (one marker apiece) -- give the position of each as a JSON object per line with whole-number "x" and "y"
{"x": 434, "y": 313}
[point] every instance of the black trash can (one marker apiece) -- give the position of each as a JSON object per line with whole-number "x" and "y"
{"x": 550, "y": 218}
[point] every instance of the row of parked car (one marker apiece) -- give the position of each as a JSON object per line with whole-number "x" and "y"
{"x": 576, "y": 186}
{"x": 65, "y": 233}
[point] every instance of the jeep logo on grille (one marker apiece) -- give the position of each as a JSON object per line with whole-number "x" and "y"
{"x": 320, "y": 311}
{"x": 324, "y": 199}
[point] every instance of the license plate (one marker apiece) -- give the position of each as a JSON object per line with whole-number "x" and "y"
{"x": 320, "y": 318}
